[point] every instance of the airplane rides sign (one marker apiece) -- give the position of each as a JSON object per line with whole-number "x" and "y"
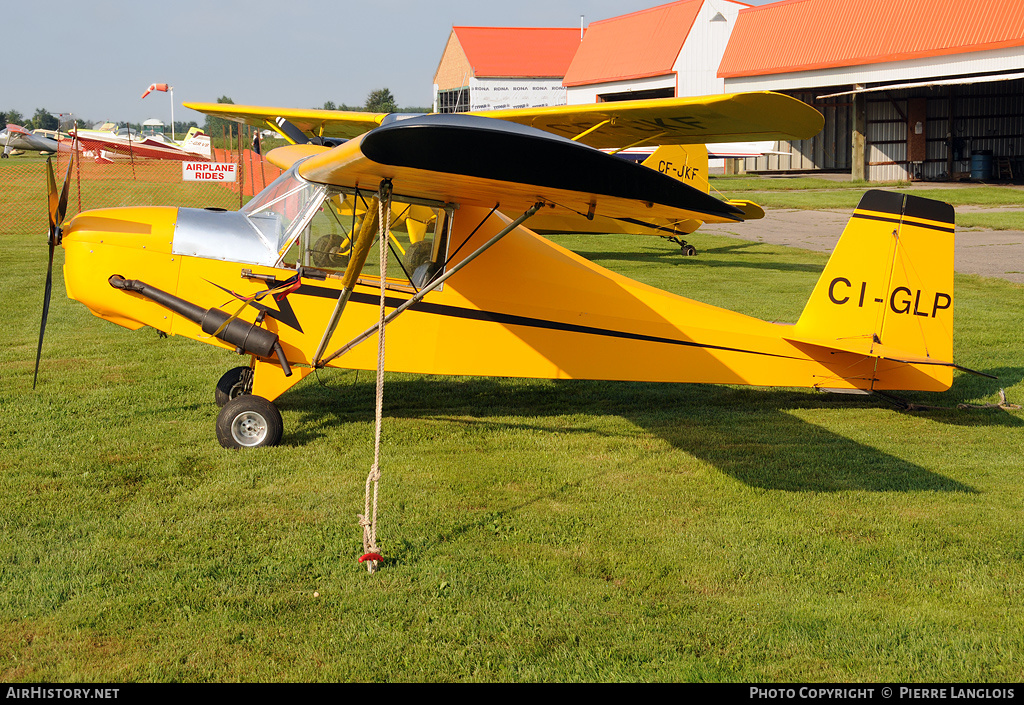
{"x": 209, "y": 171}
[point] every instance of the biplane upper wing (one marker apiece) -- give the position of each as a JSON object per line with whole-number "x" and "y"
{"x": 718, "y": 118}
{"x": 323, "y": 123}
{"x": 438, "y": 157}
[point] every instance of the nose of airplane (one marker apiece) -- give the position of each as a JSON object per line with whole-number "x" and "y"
{"x": 129, "y": 242}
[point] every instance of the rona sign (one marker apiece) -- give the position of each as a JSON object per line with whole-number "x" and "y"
{"x": 208, "y": 171}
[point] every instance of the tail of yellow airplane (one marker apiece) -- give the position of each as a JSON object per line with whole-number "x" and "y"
{"x": 684, "y": 162}
{"x": 689, "y": 163}
{"x": 887, "y": 293}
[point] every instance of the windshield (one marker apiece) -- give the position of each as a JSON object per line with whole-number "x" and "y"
{"x": 273, "y": 210}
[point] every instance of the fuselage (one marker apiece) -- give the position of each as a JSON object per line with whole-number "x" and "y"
{"x": 524, "y": 308}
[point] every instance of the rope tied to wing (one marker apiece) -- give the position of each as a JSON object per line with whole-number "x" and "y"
{"x": 368, "y": 520}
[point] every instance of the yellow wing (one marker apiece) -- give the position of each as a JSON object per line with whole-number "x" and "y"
{"x": 717, "y": 118}
{"x": 735, "y": 117}
{"x": 438, "y": 157}
{"x": 323, "y": 123}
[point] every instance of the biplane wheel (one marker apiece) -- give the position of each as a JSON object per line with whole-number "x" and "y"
{"x": 689, "y": 251}
{"x": 233, "y": 383}
{"x": 249, "y": 421}
{"x": 326, "y": 252}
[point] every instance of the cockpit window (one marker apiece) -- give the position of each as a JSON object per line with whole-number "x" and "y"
{"x": 417, "y": 241}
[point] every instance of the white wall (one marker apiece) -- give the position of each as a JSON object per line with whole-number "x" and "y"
{"x": 500, "y": 93}
{"x": 695, "y": 71}
{"x": 698, "y": 60}
{"x": 903, "y": 71}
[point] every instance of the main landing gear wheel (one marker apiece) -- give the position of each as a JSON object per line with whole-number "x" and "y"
{"x": 234, "y": 383}
{"x": 249, "y": 421}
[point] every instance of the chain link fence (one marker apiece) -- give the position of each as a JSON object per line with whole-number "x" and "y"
{"x": 118, "y": 181}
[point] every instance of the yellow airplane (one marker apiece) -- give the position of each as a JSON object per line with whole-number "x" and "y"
{"x": 474, "y": 292}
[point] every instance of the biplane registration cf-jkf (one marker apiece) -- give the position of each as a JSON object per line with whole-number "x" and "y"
{"x": 287, "y": 281}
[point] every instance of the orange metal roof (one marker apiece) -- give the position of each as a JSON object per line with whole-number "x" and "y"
{"x": 535, "y": 52}
{"x": 637, "y": 45}
{"x": 801, "y": 35}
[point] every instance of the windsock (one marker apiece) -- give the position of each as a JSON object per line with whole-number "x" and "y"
{"x": 155, "y": 87}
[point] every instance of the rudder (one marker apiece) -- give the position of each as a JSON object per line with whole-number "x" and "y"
{"x": 887, "y": 290}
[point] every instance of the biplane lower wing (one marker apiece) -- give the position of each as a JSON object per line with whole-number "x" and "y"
{"x": 438, "y": 157}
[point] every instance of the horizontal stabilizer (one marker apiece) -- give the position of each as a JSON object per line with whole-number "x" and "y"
{"x": 751, "y": 211}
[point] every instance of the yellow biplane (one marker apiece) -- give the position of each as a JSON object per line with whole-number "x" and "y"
{"x": 288, "y": 281}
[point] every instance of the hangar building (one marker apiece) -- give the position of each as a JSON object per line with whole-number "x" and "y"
{"x": 666, "y": 51}
{"x": 910, "y": 89}
{"x": 486, "y": 68}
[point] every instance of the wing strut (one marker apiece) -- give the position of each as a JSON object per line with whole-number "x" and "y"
{"x": 431, "y": 286}
{"x": 357, "y": 258}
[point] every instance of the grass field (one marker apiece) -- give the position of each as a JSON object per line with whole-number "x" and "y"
{"x": 805, "y": 192}
{"x": 534, "y": 531}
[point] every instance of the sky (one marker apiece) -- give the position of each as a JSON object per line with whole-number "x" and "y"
{"x": 95, "y": 59}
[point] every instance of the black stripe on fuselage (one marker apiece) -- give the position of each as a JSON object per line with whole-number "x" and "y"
{"x": 509, "y": 319}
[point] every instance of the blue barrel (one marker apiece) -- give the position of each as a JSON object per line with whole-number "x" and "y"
{"x": 981, "y": 165}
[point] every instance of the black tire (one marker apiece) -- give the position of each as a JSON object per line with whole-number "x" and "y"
{"x": 233, "y": 383}
{"x": 326, "y": 252}
{"x": 689, "y": 251}
{"x": 416, "y": 254}
{"x": 249, "y": 421}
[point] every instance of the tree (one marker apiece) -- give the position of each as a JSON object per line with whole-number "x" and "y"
{"x": 381, "y": 101}
{"x": 13, "y": 116}
{"x": 214, "y": 126}
{"x": 44, "y": 120}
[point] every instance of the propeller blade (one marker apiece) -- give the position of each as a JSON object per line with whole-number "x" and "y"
{"x": 46, "y": 312}
{"x": 57, "y": 206}
{"x": 62, "y": 206}
{"x": 52, "y": 199}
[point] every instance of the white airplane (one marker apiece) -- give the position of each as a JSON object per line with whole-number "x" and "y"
{"x": 15, "y": 137}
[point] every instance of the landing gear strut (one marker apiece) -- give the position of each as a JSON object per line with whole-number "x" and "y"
{"x": 688, "y": 249}
{"x": 235, "y": 382}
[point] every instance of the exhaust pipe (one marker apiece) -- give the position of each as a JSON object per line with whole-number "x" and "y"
{"x": 246, "y": 337}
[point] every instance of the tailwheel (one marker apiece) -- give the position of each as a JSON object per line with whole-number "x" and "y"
{"x": 235, "y": 382}
{"x": 249, "y": 421}
{"x": 687, "y": 249}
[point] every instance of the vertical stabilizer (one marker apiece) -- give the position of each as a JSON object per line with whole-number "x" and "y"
{"x": 887, "y": 290}
{"x": 683, "y": 162}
